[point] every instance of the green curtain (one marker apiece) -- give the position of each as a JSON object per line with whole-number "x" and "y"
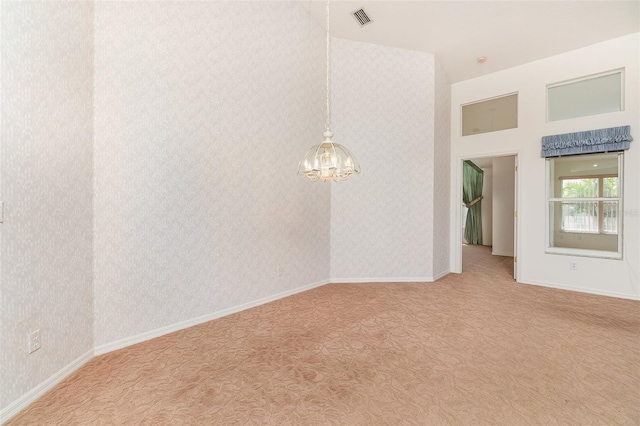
{"x": 472, "y": 198}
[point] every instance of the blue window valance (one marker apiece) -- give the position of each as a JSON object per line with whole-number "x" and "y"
{"x": 601, "y": 140}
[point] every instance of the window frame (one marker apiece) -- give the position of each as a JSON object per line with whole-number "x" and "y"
{"x": 620, "y": 71}
{"x": 550, "y": 225}
{"x": 493, "y": 98}
{"x": 600, "y": 199}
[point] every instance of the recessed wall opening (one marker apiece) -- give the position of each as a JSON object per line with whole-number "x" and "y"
{"x": 581, "y": 97}
{"x": 490, "y": 115}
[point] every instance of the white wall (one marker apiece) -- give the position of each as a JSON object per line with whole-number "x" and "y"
{"x": 46, "y": 133}
{"x": 383, "y": 111}
{"x": 487, "y": 207}
{"x": 613, "y": 277}
{"x": 441, "y": 172}
{"x": 203, "y": 110}
{"x": 503, "y": 205}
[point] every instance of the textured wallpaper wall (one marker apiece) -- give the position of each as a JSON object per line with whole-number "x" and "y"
{"x": 160, "y": 185}
{"x": 382, "y": 220}
{"x": 441, "y": 171}
{"x": 47, "y": 120}
{"x": 203, "y": 110}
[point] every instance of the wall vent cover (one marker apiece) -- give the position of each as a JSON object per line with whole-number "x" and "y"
{"x": 362, "y": 17}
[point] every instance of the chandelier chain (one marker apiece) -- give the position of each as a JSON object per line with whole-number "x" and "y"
{"x": 328, "y": 72}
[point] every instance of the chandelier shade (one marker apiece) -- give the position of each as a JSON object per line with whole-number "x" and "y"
{"x": 328, "y": 161}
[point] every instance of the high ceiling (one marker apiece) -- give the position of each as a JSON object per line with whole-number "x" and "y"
{"x": 507, "y": 33}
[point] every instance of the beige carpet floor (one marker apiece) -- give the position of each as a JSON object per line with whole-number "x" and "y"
{"x": 470, "y": 349}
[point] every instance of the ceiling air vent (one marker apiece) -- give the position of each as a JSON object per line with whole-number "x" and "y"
{"x": 362, "y": 17}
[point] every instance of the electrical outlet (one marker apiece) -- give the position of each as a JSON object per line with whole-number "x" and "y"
{"x": 573, "y": 266}
{"x": 34, "y": 341}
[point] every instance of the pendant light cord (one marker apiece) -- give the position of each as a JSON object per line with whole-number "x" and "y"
{"x": 328, "y": 72}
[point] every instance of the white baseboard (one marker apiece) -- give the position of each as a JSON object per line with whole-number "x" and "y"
{"x": 441, "y": 274}
{"x": 152, "y": 334}
{"x": 582, "y": 290}
{"x": 499, "y": 253}
{"x": 21, "y": 403}
{"x": 386, "y": 280}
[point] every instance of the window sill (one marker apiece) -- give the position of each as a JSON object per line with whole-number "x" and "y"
{"x": 584, "y": 253}
{"x": 587, "y": 233}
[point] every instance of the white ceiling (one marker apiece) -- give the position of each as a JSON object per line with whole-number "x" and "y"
{"x": 484, "y": 162}
{"x": 508, "y": 33}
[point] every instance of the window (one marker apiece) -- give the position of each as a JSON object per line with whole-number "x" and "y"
{"x": 596, "y": 217}
{"x": 585, "y": 198}
{"x": 596, "y": 94}
{"x": 490, "y": 115}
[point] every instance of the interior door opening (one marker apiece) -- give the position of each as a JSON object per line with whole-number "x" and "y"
{"x": 489, "y": 212}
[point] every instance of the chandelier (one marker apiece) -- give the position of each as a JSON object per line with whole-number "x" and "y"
{"x": 328, "y": 160}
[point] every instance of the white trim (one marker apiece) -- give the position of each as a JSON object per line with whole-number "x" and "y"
{"x": 455, "y": 245}
{"x": 28, "y": 398}
{"x": 385, "y": 280}
{"x": 599, "y": 254}
{"x": 152, "y": 334}
{"x": 582, "y": 290}
{"x": 436, "y": 277}
{"x": 490, "y": 98}
{"x": 499, "y": 253}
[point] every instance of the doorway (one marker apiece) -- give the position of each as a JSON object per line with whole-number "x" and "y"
{"x": 498, "y": 217}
